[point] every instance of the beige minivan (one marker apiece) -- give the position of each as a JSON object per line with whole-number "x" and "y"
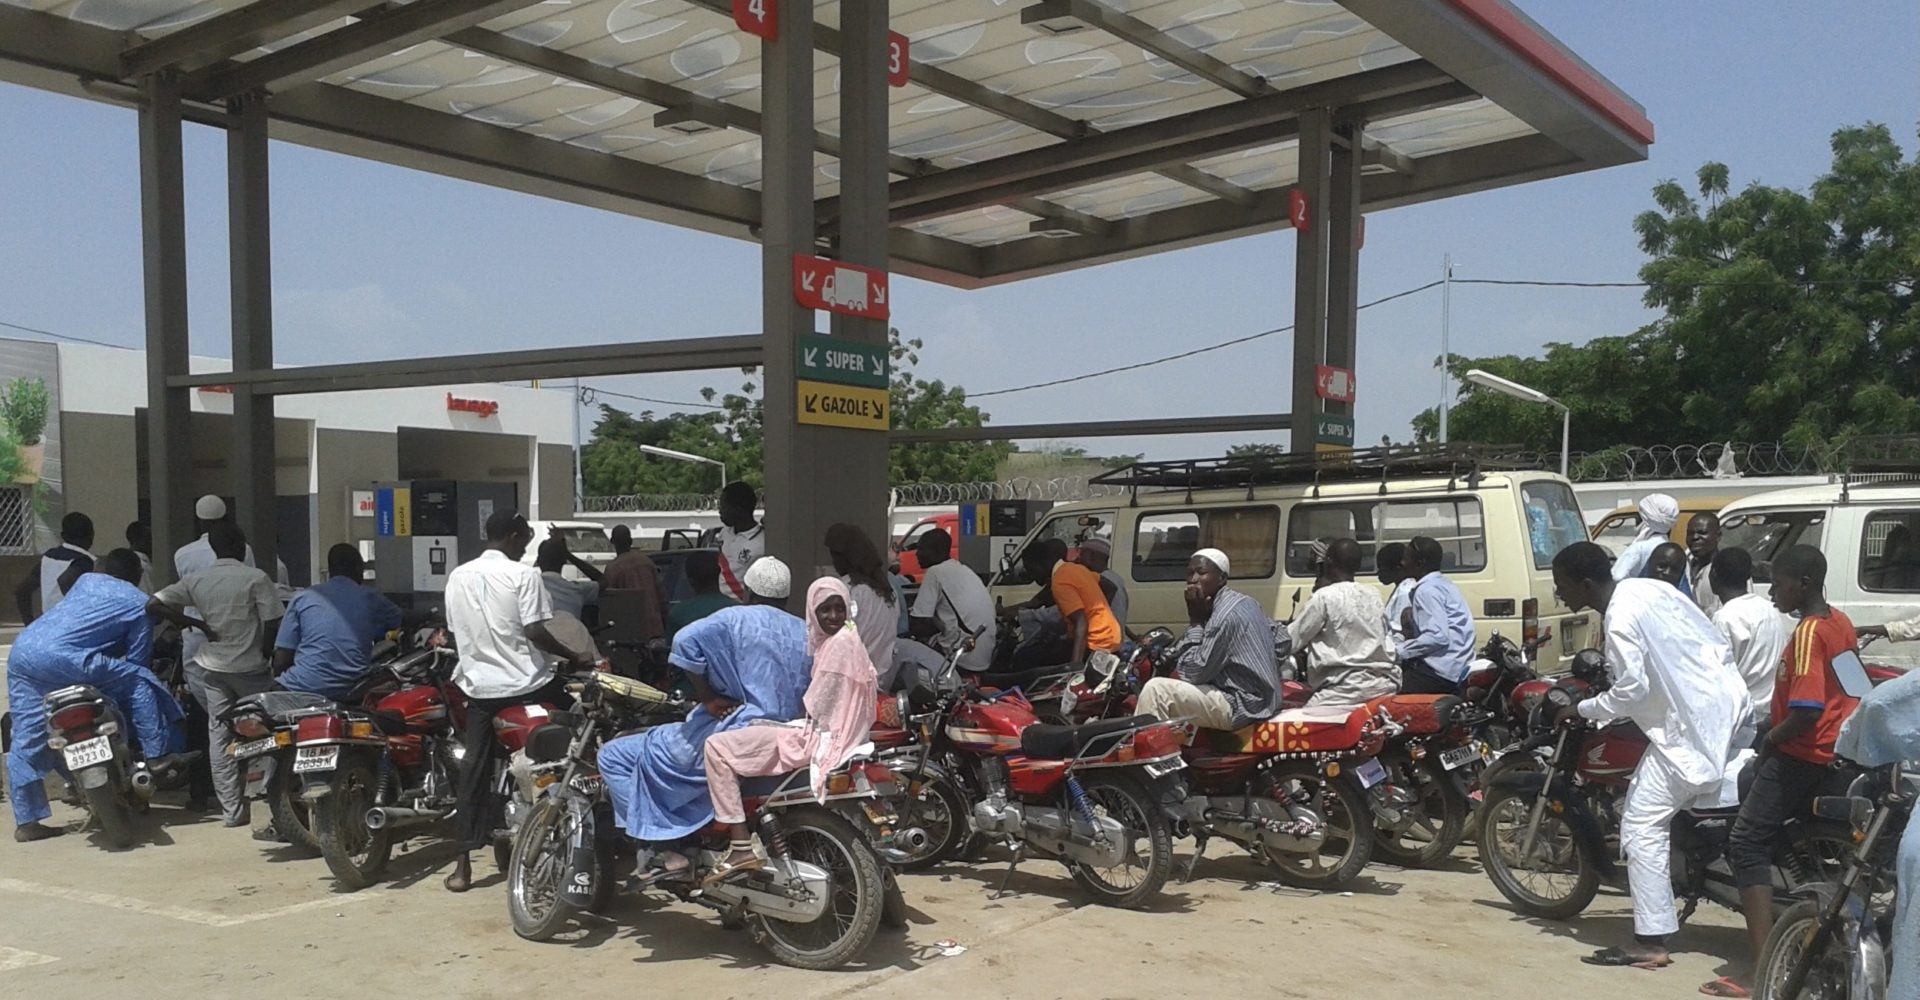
{"x": 1498, "y": 527}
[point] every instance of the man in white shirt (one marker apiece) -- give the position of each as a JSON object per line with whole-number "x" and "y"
{"x": 1703, "y": 544}
{"x": 498, "y": 609}
{"x": 1344, "y": 629}
{"x": 567, "y": 596}
{"x": 1756, "y": 630}
{"x": 198, "y": 554}
{"x": 952, "y": 603}
{"x": 242, "y": 611}
{"x": 59, "y": 567}
{"x": 1391, "y": 563}
{"x": 741, "y": 538}
{"x": 1673, "y": 675}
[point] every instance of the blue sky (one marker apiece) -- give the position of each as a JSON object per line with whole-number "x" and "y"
{"x": 375, "y": 261}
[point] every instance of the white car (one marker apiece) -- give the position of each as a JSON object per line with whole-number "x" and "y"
{"x": 1867, "y": 526}
{"x": 584, "y": 539}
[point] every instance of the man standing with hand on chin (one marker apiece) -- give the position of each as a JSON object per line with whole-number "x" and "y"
{"x": 1227, "y": 676}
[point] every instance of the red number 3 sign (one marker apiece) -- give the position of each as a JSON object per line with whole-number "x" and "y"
{"x": 896, "y": 59}
{"x": 757, "y": 17}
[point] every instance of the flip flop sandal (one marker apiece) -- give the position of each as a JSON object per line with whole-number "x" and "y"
{"x": 1725, "y": 987}
{"x": 1615, "y": 957}
{"x": 725, "y": 871}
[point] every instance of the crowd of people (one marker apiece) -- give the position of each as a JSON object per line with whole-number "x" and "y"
{"x": 1742, "y": 698}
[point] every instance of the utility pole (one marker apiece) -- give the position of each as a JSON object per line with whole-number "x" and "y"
{"x": 1446, "y": 321}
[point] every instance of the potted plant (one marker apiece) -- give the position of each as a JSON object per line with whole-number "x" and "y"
{"x": 23, "y": 406}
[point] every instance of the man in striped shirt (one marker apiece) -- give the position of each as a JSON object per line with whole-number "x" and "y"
{"x": 1227, "y": 675}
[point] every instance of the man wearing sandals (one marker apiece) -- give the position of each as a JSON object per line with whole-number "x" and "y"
{"x": 1673, "y": 675}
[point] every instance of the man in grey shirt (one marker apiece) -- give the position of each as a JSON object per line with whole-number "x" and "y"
{"x": 1227, "y": 676}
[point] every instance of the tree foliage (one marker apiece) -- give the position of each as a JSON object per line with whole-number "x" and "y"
{"x": 1788, "y": 316}
{"x": 613, "y": 464}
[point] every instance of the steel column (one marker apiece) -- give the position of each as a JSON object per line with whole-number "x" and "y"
{"x": 163, "y": 243}
{"x": 857, "y": 488}
{"x": 1311, "y": 246}
{"x": 1343, "y": 254}
{"x": 786, "y": 229}
{"x": 250, "y": 263}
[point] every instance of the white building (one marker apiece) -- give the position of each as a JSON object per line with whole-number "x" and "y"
{"x": 327, "y": 446}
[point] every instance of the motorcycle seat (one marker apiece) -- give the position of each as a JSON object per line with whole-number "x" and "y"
{"x": 72, "y": 696}
{"x": 284, "y": 704}
{"x": 1046, "y": 742}
{"x": 1022, "y": 679}
{"x": 1299, "y": 730}
{"x": 1422, "y": 714}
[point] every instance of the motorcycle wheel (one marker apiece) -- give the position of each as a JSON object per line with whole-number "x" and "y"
{"x": 606, "y": 860}
{"x": 893, "y": 912}
{"x": 939, "y": 808}
{"x": 1507, "y": 763}
{"x": 1348, "y": 846}
{"x": 858, "y": 890}
{"x": 292, "y": 817}
{"x": 1149, "y": 859}
{"x": 538, "y": 870}
{"x": 111, "y": 812}
{"x": 1829, "y": 974}
{"x": 1561, "y": 884}
{"x": 1439, "y": 813}
{"x": 355, "y": 853}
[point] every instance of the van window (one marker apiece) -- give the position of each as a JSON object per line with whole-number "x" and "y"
{"x": 1889, "y": 559}
{"x": 1766, "y": 534}
{"x": 1553, "y": 519}
{"x": 915, "y": 533}
{"x": 1455, "y": 522}
{"x": 1070, "y": 528}
{"x": 1164, "y": 542}
{"x": 1617, "y": 531}
{"x": 581, "y": 540}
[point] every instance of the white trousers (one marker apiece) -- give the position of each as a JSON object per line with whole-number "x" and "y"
{"x": 1167, "y": 698}
{"x": 1656, "y": 794}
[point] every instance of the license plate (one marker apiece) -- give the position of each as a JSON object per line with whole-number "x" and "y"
{"x": 315, "y": 759}
{"x": 1165, "y": 767}
{"x": 1370, "y": 774}
{"x": 259, "y": 772}
{"x": 87, "y": 753}
{"x": 242, "y": 751}
{"x": 1459, "y": 756}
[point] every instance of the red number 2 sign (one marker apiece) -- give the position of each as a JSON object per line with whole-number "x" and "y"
{"x": 1298, "y": 210}
{"x": 757, "y": 17}
{"x": 896, "y": 59}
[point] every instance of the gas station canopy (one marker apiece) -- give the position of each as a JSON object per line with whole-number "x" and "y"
{"x": 1031, "y": 137}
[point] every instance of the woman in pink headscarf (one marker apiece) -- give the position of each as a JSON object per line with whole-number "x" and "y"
{"x": 840, "y": 706}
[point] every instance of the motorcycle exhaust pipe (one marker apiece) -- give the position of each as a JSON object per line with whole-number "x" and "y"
{"x": 905, "y": 845}
{"x": 142, "y": 780}
{"x": 395, "y": 817}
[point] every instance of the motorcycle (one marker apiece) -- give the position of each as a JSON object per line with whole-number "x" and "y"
{"x": 89, "y": 731}
{"x": 1834, "y": 944}
{"x": 817, "y": 903}
{"x": 268, "y": 723}
{"x": 1548, "y": 837}
{"x": 1434, "y": 747}
{"x": 370, "y": 773}
{"x": 1099, "y": 797}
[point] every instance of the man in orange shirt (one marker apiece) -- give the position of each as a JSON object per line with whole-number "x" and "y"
{"x": 1088, "y": 617}
{"x": 1796, "y": 755}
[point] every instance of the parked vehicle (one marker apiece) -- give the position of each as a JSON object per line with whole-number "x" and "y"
{"x": 266, "y": 728}
{"x": 817, "y": 903}
{"x": 905, "y": 550}
{"x": 1100, "y": 797}
{"x": 1499, "y": 524}
{"x": 1867, "y": 524}
{"x": 91, "y": 735}
{"x": 585, "y": 539}
{"x": 371, "y": 773}
{"x": 1548, "y": 837}
{"x": 1834, "y": 944}
{"x": 1616, "y": 530}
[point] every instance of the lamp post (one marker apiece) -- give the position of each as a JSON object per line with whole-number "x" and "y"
{"x": 1507, "y": 387}
{"x": 682, "y": 456}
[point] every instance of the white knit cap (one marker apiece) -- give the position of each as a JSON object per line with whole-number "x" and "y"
{"x": 210, "y": 508}
{"x": 769, "y": 577}
{"x": 1217, "y": 558}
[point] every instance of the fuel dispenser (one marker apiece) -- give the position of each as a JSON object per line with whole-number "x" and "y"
{"x": 426, "y": 527}
{"x": 990, "y": 532}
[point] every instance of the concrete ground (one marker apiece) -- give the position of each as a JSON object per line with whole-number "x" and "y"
{"x": 198, "y": 910}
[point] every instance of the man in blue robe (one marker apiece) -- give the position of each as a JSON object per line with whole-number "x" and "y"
{"x": 745, "y": 663}
{"x": 1884, "y": 729}
{"x": 99, "y": 635}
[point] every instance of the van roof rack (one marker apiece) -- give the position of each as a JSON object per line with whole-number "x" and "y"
{"x": 1453, "y": 461}
{"x": 1880, "y": 459}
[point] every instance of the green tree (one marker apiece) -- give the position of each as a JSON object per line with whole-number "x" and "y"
{"x": 1788, "y": 316}
{"x": 612, "y": 463}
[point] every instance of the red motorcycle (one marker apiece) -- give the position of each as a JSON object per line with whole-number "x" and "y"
{"x": 1550, "y": 835}
{"x": 1097, "y": 797}
{"x": 369, "y": 774}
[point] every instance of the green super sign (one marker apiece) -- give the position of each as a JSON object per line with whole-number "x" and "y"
{"x": 1333, "y": 428}
{"x": 831, "y": 359}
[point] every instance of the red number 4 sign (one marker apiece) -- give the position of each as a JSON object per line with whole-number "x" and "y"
{"x": 757, "y": 17}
